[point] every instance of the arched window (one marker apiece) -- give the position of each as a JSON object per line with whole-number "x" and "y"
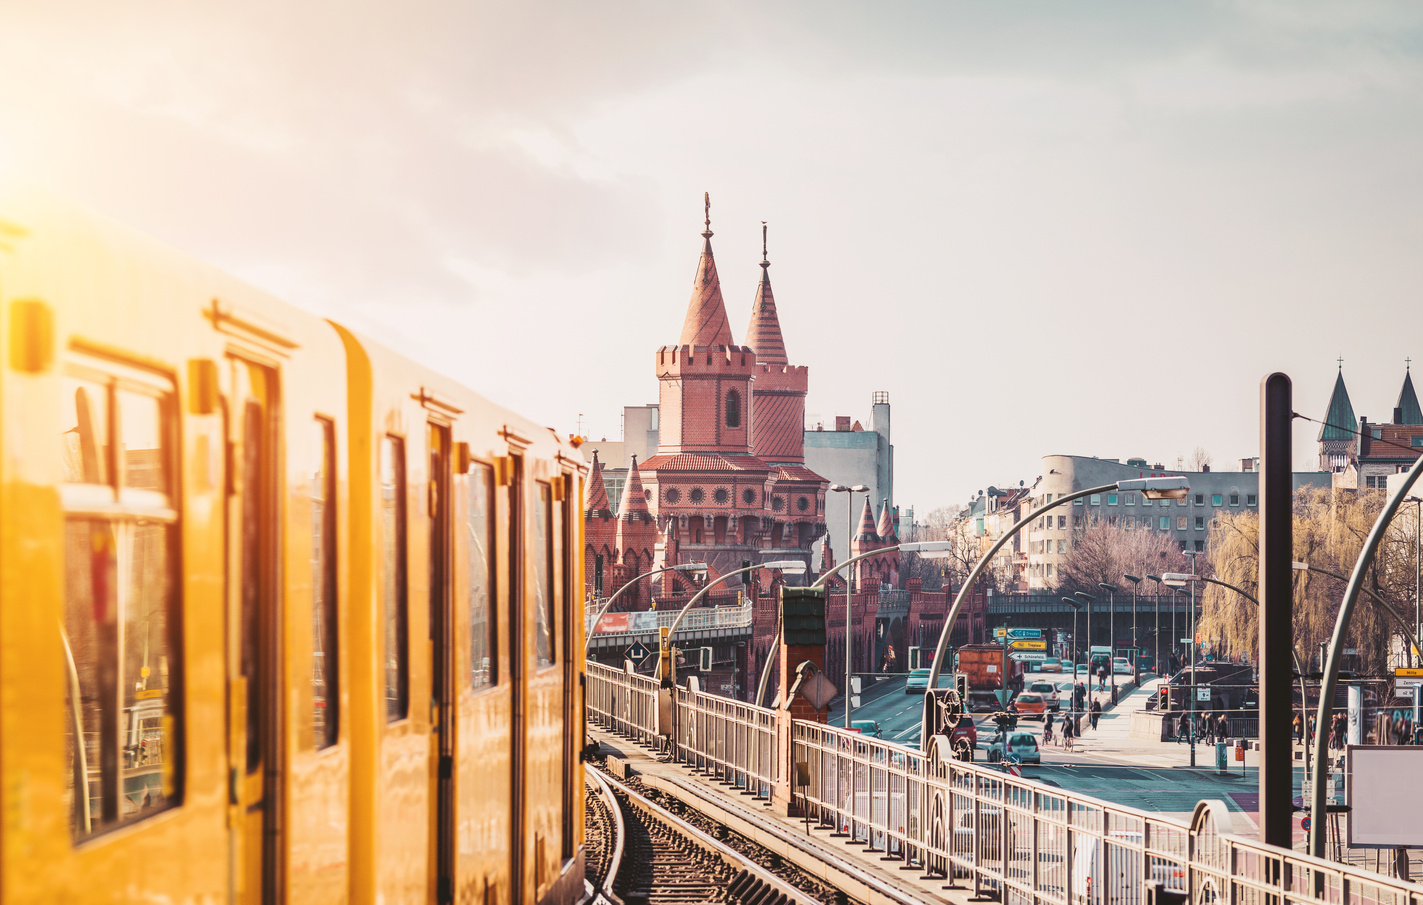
{"x": 733, "y": 409}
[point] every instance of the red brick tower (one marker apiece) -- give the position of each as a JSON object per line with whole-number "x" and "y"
{"x": 866, "y": 540}
{"x": 599, "y": 533}
{"x": 634, "y": 542}
{"x": 888, "y": 564}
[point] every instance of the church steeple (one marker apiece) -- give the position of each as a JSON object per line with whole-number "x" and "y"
{"x": 1339, "y": 421}
{"x": 706, "y": 323}
{"x": 1408, "y": 401}
{"x": 764, "y": 334}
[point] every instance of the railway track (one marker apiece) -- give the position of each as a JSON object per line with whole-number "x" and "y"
{"x": 641, "y": 852}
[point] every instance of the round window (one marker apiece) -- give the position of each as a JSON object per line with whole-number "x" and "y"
{"x": 802, "y": 504}
{"x": 672, "y": 495}
{"x": 696, "y": 495}
{"x": 720, "y": 495}
{"x": 749, "y": 496}
{"x": 778, "y": 503}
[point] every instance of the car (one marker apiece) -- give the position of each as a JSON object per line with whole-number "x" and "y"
{"x": 866, "y": 727}
{"x": 1051, "y": 664}
{"x": 1050, "y": 692}
{"x": 1146, "y": 664}
{"x": 918, "y": 680}
{"x": 1031, "y": 703}
{"x": 1020, "y": 745}
{"x": 1121, "y": 666}
{"x": 1081, "y": 672}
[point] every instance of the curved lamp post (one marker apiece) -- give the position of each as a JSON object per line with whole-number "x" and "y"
{"x": 785, "y": 565}
{"x": 929, "y": 546}
{"x": 1111, "y": 590}
{"x": 1076, "y": 608}
{"x": 1318, "y": 831}
{"x": 849, "y": 542}
{"x": 685, "y": 567}
{"x": 1175, "y": 487}
{"x": 1085, "y": 599}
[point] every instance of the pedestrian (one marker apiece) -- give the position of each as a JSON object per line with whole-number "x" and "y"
{"x": 1102, "y": 678}
{"x": 1314, "y": 728}
{"x": 1299, "y": 728}
{"x": 1096, "y": 713}
{"x": 1067, "y": 734}
{"x": 1183, "y": 727}
{"x": 1222, "y": 728}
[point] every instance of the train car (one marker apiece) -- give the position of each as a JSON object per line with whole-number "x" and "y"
{"x": 283, "y": 616}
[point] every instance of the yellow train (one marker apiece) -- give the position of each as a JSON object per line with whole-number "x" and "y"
{"x": 284, "y": 617}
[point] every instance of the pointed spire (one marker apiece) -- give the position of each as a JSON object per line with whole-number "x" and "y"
{"x": 764, "y": 334}
{"x": 706, "y": 323}
{"x": 1339, "y": 421}
{"x": 867, "y": 532}
{"x": 1408, "y": 399}
{"x": 595, "y": 494}
{"x": 885, "y": 528}
{"x": 634, "y": 501}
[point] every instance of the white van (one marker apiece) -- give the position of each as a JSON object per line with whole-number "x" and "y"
{"x": 1118, "y": 878}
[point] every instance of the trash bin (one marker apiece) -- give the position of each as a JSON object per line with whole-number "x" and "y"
{"x": 1220, "y": 761}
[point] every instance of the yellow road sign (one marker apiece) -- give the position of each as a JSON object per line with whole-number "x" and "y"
{"x": 1402, "y": 672}
{"x": 1029, "y": 645}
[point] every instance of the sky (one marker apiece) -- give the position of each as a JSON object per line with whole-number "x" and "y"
{"x": 1043, "y": 228}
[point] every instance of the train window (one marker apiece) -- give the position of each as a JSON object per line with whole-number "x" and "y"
{"x": 541, "y": 548}
{"x": 120, "y": 616}
{"x": 479, "y": 520}
{"x": 325, "y": 678}
{"x": 393, "y": 585}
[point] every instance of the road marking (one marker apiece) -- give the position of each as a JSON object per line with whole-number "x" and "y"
{"x": 906, "y": 732}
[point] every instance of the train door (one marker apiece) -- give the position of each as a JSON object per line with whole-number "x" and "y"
{"x": 255, "y": 643}
{"x": 442, "y": 686}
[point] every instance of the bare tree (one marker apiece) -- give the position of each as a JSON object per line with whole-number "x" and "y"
{"x": 1200, "y": 459}
{"x": 1103, "y": 552}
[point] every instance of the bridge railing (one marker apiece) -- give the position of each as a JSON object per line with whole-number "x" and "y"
{"x": 622, "y": 702}
{"x": 645, "y": 622}
{"x": 1016, "y": 839}
{"x": 731, "y": 740}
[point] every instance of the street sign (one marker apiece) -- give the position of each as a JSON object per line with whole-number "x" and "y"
{"x": 1401, "y": 672}
{"x": 818, "y": 690}
{"x": 1203, "y": 694}
{"x": 1304, "y": 824}
{"x": 637, "y": 652}
{"x": 1025, "y": 634}
{"x": 1185, "y": 640}
{"x": 1028, "y": 656}
{"x": 1028, "y": 645}
{"x": 1198, "y": 637}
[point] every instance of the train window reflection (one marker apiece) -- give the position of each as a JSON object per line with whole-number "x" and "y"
{"x": 541, "y": 546}
{"x": 140, "y": 425}
{"x": 120, "y": 607}
{"x": 324, "y": 663}
{"x": 84, "y": 452}
{"x": 393, "y": 584}
{"x": 479, "y": 520}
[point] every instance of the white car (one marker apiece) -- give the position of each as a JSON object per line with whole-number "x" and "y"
{"x": 1122, "y": 666}
{"x": 1021, "y": 745}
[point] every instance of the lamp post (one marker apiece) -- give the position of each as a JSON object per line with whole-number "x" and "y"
{"x": 1076, "y": 608}
{"x": 1135, "y": 580}
{"x": 1156, "y": 629}
{"x": 1111, "y": 590}
{"x": 1176, "y": 579}
{"x": 684, "y": 567}
{"x": 1086, "y": 599}
{"x": 922, "y": 547}
{"x": 1174, "y": 487}
{"x": 785, "y": 565}
{"x": 849, "y": 539}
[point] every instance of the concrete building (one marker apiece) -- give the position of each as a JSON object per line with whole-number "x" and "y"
{"x": 849, "y": 454}
{"x": 1187, "y": 521}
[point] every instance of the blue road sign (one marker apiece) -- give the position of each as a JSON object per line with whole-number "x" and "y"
{"x": 638, "y": 652}
{"x": 1025, "y": 634}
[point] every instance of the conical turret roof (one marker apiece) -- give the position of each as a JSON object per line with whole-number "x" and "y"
{"x": 1339, "y": 421}
{"x": 595, "y": 494}
{"x": 885, "y": 528}
{"x": 764, "y": 334}
{"x": 706, "y": 323}
{"x": 866, "y": 532}
{"x": 634, "y": 501}
{"x": 1408, "y": 401}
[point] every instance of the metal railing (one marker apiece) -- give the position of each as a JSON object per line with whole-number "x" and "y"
{"x": 647, "y": 622}
{"x": 731, "y": 740}
{"x": 1019, "y": 840}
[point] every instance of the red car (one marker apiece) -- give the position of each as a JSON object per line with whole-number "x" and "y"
{"x": 967, "y": 731}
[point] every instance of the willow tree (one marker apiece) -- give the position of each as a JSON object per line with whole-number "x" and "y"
{"x": 1329, "y": 532}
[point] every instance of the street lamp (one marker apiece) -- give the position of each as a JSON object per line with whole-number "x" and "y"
{"x": 785, "y": 565}
{"x": 1087, "y": 599}
{"x": 1156, "y": 628}
{"x": 1076, "y": 608}
{"x": 849, "y": 540}
{"x": 928, "y": 547}
{"x": 1181, "y": 580}
{"x": 1136, "y": 657}
{"x": 684, "y": 567}
{"x": 1111, "y": 590}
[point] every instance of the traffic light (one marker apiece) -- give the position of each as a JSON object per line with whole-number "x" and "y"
{"x": 961, "y": 686}
{"x": 705, "y": 663}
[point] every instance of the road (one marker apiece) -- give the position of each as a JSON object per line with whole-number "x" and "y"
{"x": 1106, "y": 763}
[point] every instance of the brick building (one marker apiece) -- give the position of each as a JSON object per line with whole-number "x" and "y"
{"x": 1363, "y": 453}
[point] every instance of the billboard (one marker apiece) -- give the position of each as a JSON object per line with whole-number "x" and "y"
{"x": 1384, "y": 795}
